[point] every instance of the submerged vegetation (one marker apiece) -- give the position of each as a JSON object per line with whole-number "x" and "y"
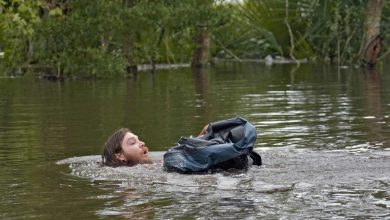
{"x": 109, "y": 38}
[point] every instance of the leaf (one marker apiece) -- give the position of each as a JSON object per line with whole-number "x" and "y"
{"x": 56, "y": 12}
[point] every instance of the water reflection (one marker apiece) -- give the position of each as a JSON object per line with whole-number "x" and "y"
{"x": 374, "y": 118}
{"x": 324, "y": 134}
{"x": 202, "y": 84}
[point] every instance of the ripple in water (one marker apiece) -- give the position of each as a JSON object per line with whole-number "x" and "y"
{"x": 292, "y": 183}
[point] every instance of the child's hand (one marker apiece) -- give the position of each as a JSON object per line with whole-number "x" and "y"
{"x": 204, "y": 130}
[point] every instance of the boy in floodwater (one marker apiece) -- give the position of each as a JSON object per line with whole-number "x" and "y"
{"x": 124, "y": 148}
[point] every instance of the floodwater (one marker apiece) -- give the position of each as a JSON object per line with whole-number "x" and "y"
{"x": 323, "y": 133}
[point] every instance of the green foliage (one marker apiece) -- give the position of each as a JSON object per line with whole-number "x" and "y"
{"x": 243, "y": 38}
{"x": 97, "y": 39}
{"x": 320, "y": 29}
{"x": 267, "y": 23}
{"x": 385, "y": 28}
{"x": 156, "y": 32}
{"x": 336, "y": 29}
{"x": 17, "y": 20}
{"x": 101, "y": 39}
{"x": 257, "y": 28}
{"x": 77, "y": 45}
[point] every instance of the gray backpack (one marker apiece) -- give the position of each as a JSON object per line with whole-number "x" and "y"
{"x": 226, "y": 145}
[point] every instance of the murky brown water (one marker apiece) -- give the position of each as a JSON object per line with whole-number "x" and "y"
{"x": 324, "y": 136}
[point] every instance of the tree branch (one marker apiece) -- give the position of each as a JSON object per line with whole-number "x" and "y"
{"x": 227, "y": 50}
{"x": 290, "y": 34}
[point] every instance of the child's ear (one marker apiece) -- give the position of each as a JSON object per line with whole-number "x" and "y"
{"x": 120, "y": 156}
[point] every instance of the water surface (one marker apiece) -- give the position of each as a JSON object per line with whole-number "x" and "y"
{"x": 323, "y": 134}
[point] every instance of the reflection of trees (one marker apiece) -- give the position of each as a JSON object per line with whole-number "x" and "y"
{"x": 142, "y": 211}
{"x": 372, "y": 89}
{"x": 201, "y": 80}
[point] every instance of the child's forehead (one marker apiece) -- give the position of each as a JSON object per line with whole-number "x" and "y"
{"x": 130, "y": 135}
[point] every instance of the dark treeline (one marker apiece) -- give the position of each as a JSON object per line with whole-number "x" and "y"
{"x": 108, "y": 38}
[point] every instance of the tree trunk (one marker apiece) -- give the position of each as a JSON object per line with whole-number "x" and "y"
{"x": 201, "y": 52}
{"x": 371, "y": 44}
{"x": 154, "y": 61}
{"x": 128, "y": 48}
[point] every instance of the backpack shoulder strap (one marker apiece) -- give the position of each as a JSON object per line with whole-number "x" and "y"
{"x": 256, "y": 158}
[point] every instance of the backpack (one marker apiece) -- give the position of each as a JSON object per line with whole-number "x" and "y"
{"x": 227, "y": 144}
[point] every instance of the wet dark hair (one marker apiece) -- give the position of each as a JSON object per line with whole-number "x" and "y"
{"x": 112, "y": 147}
